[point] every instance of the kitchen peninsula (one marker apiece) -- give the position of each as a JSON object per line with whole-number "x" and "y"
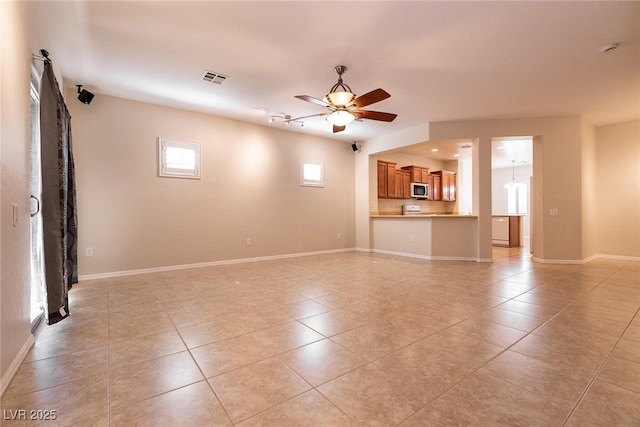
{"x": 426, "y": 236}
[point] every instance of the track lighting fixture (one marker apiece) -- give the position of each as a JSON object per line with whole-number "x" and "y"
{"x": 84, "y": 95}
{"x": 287, "y": 119}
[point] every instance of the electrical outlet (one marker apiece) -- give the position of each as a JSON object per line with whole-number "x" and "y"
{"x": 412, "y": 238}
{"x": 88, "y": 252}
{"x": 339, "y": 236}
{"x": 553, "y": 212}
{"x": 249, "y": 242}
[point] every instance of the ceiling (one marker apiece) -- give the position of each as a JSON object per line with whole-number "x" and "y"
{"x": 505, "y": 152}
{"x": 439, "y": 61}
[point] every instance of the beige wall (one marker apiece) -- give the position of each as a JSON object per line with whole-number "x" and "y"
{"x": 618, "y": 189}
{"x": 15, "y": 57}
{"x": 135, "y": 220}
{"x": 589, "y": 203}
{"x": 560, "y": 173}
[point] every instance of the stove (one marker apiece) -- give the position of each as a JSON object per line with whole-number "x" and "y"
{"x": 411, "y": 210}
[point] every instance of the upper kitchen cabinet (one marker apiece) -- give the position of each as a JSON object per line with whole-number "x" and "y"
{"x": 435, "y": 187}
{"x": 393, "y": 183}
{"x": 386, "y": 180}
{"x": 418, "y": 173}
{"x": 383, "y": 182}
{"x": 447, "y": 185}
{"x": 406, "y": 184}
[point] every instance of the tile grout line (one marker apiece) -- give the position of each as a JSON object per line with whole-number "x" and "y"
{"x": 312, "y": 387}
{"x": 494, "y": 357}
{"x": 110, "y": 363}
{"x": 553, "y": 317}
{"x": 205, "y": 379}
{"x": 598, "y": 370}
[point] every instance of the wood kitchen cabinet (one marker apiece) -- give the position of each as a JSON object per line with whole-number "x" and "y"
{"x": 435, "y": 187}
{"x": 391, "y": 181}
{"x": 507, "y": 231}
{"x": 387, "y": 187}
{"x": 406, "y": 184}
{"x": 394, "y": 183}
{"x": 417, "y": 173}
{"x": 447, "y": 186}
{"x": 382, "y": 179}
{"x": 399, "y": 190}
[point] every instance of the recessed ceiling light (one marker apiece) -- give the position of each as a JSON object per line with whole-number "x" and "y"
{"x": 456, "y": 155}
{"x": 434, "y": 150}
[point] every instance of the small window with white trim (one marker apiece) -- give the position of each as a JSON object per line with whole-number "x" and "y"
{"x": 311, "y": 172}
{"x": 178, "y": 159}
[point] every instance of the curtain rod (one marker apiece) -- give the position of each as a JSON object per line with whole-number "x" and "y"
{"x": 42, "y": 56}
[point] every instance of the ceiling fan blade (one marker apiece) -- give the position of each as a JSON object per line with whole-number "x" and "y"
{"x": 313, "y": 100}
{"x": 375, "y": 115}
{"x": 337, "y": 129}
{"x": 372, "y": 97}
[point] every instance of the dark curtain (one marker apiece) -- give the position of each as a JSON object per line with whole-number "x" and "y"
{"x": 58, "y": 203}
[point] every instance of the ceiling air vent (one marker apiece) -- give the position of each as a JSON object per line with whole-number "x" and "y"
{"x": 213, "y": 77}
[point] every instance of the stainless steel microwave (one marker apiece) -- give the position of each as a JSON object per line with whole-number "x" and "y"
{"x": 419, "y": 190}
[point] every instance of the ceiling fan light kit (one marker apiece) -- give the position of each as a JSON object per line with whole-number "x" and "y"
{"x": 340, "y": 118}
{"x": 344, "y": 106}
{"x": 340, "y": 99}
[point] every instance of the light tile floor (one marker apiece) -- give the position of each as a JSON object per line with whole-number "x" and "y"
{"x": 344, "y": 339}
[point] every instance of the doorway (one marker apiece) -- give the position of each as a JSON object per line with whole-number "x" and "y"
{"x": 511, "y": 182}
{"x": 37, "y": 280}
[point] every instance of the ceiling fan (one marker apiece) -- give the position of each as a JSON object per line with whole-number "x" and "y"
{"x": 344, "y": 107}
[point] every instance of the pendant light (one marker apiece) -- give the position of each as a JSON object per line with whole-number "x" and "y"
{"x": 514, "y": 183}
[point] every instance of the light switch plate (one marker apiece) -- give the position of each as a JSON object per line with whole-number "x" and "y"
{"x": 553, "y": 212}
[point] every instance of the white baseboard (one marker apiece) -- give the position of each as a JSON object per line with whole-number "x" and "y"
{"x": 206, "y": 264}
{"x": 425, "y": 257}
{"x": 404, "y": 254}
{"x": 15, "y": 364}
{"x": 619, "y": 257}
{"x": 586, "y": 260}
{"x": 558, "y": 261}
{"x": 302, "y": 254}
{"x": 363, "y": 250}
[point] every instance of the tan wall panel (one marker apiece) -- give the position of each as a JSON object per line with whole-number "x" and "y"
{"x": 15, "y": 58}
{"x": 618, "y": 189}
{"x": 135, "y": 220}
